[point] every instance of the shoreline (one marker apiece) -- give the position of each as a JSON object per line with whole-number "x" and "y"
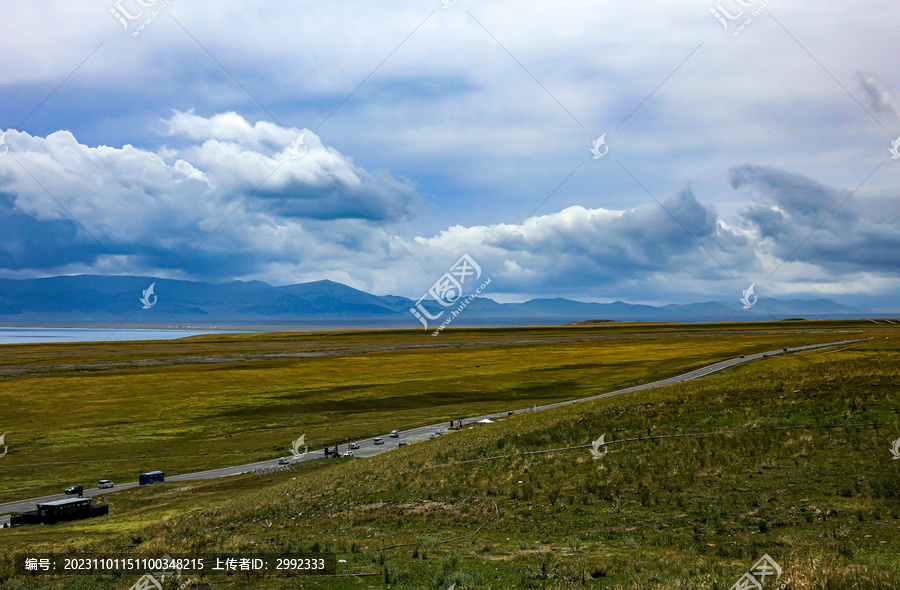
{"x": 82, "y": 334}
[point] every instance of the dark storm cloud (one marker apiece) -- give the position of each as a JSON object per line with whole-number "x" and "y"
{"x": 839, "y": 232}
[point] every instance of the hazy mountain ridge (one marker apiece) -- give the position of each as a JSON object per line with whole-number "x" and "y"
{"x": 90, "y": 299}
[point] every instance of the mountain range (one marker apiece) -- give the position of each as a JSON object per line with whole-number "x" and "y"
{"x": 119, "y": 300}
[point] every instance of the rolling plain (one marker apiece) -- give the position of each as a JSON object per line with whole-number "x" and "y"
{"x": 787, "y": 456}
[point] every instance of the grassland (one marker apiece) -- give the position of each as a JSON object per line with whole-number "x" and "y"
{"x": 655, "y": 513}
{"x": 83, "y": 412}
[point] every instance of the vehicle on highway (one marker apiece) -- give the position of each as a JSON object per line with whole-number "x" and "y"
{"x": 432, "y": 436}
{"x": 379, "y": 441}
{"x": 395, "y": 433}
{"x": 347, "y": 454}
{"x": 784, "y": 350}
{"x": 73, "y": 490}
{"x": 438, "y": 432}
{"x": 742, "y": 356}
{"x": 151, "y": 477}
{"x": 104, "y": 483}
{"x": 402, "y": 444}
{"x": 284, "y": 461}
{"x": 353, "y": 446}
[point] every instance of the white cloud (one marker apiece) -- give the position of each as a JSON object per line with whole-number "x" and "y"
{"x": 152, "y": 210}
{"x": 451, "y": 110}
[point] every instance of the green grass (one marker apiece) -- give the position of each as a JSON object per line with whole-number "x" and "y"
{"x": 83, "y": 412}
{"x": 670, "y": 513}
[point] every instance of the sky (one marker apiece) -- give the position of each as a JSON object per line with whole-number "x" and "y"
{"x": 374, "y": 144}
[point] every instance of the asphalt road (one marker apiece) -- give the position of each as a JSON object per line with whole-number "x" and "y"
{"x": 368, "y": 448}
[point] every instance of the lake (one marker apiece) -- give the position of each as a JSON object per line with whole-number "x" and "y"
{"x": 43, "y": 335}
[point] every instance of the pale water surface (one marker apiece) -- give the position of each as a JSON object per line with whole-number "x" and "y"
{"x": 42, "y": 335}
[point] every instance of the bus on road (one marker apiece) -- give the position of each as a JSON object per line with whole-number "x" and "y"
{"x": 151, "y": 477}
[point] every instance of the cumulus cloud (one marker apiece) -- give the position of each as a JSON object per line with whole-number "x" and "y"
{"x": 581, "y": 249}
{"x": 831, "y": 228}
{"x": 157, "y": 206}
{"x": 831, "y": 240}
{"x": 323, "y": 184}
{"x": 202, "y": 199}
{"x": 449, "y": 108}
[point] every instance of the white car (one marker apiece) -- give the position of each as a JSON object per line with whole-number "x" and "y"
{"x": 104, "y": 484}
{"x": 347, "y": 454}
